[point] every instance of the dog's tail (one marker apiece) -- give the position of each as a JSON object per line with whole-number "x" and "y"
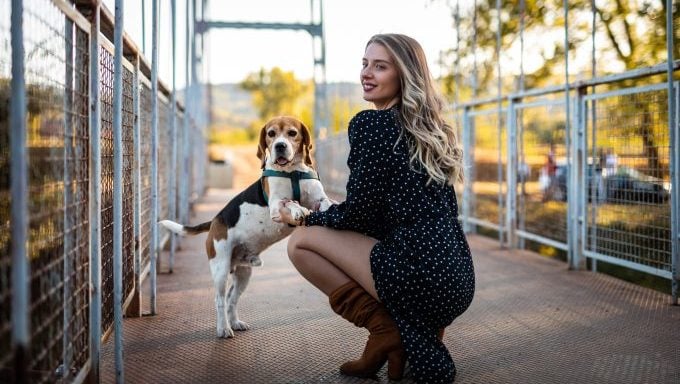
{"x": 185, "y": 230}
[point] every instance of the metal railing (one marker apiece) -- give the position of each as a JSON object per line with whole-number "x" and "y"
{"x": 57, "y": 287}
{"x": 588, "y": 167}
{"x": 597, "y": 184}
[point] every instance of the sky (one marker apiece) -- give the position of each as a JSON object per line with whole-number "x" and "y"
{"x": 234, "y": 53}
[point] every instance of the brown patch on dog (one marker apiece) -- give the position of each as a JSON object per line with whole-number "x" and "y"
{"x": 265, "y": 187}
{"x": 218, "y": 231}
{"x": 306, "y": 147}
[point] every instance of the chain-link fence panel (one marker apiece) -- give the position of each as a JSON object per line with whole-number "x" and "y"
{"x": 331, "y": 160}
{"x": 145, "y": 138}
{"x": 128, "y": 181}
{"x": 106, "y": 150}
{"x": 542, "y": 169}
{"x": 628, "y": 176}
{"x": 489, "y": 164}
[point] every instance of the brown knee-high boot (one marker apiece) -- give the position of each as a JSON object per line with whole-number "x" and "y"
{"x": 353, "y": 303}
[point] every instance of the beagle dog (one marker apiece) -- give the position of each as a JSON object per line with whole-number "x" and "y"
{"x": 250, "y": 222}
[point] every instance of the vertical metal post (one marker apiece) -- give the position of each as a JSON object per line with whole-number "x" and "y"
{"x": 118, "y": 189}
{"x": 521, "y": 205}
{"x": 468, "y": 156}
{"x": 456, "y": 63}
{"x": 499, "y": 127}
{"x": 21, "y": 287}
{"x": 172, "y": 179}
{"x": 68, "y": 195}
{"x": 511, "y": 175}
{"x": 95, "y": 205}
{"x": 675, "y": 157}
{"x": 154, "y": 154}
{"x": 143, "y": 27}
{"x": 320, "y": 96}
{"x": 474, "y": 51}
{"x": 196, "y": 86}
{"x": 595, "y": 198}
{"x": 572, "y": 219}
{"x": 184, "y": 205}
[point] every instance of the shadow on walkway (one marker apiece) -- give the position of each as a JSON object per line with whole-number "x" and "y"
{"x": 531, "y": 321}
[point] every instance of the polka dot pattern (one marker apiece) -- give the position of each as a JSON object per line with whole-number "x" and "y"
{"x": 421, "y": 265}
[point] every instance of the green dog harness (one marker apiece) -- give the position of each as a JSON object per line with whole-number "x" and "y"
{"x": 294, "y": 177}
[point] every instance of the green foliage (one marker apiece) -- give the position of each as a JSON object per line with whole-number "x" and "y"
{"x": 277, "y": 92}
{"x": 231, "y": 136}
{"x": 631, "y": 34}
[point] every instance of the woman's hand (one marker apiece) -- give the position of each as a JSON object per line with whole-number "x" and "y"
{"x": 290, "y": 212}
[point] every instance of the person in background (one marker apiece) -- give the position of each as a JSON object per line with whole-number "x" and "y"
{"x": 393, "y": 257}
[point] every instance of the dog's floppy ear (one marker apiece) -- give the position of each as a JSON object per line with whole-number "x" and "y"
{"x": 262, "y": 146}
{"x": 307, "y": 145}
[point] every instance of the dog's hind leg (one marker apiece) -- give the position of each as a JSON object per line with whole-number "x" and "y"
{"x": 219, "y": 267}
{"x": 239, "y": 283}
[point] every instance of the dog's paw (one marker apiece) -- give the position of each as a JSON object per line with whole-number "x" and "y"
{"x": 325, "y": 204}
{"x": 225, "y": 333}
{"x": 238, "y": 325}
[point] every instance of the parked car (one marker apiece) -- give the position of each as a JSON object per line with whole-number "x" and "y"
{"x": 557, "y": 189}
{"x": 627, "y": 184}
{"x": 624, "y": 185}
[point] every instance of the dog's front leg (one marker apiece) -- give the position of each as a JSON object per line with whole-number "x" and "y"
{"x": 239, "y": 283}
{"x": 274, "y": 209}
{"x": 219, "y": 267}
{"x": 325, "y": 203}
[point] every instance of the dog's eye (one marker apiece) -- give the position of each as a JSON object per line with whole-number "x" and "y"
{"x": 292, "y": 133}
{"x": 271, "y": 133}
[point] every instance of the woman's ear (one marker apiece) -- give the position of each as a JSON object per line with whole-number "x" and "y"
{"x": 262, "y": 146}
{"x": 307, "y": 145}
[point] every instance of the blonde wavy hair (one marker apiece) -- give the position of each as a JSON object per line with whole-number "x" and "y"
{"x": 434, "y": 144}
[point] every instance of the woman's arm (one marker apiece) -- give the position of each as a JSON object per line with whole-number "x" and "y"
{"x": 369, "y": 162}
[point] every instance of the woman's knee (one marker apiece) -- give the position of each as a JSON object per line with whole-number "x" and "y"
{"x": 294, "y": 243}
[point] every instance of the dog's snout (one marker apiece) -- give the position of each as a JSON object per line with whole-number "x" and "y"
{"x": 280, "y": 146}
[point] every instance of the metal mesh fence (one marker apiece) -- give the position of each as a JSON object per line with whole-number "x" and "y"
{"x": 56, "y": 45}
{"x": 331, "y": 159}
{"x": 145, "y": 169}
{"x": 106, "y": 148}
{"x": 164, "y": 153}
{"x": 128, "y": 187}
{"x": 76, "y": 211}
{"x": 628, "y": 173}
{"x": 5, "y": 214}
{"x": 163, "y": 156}
{"x": 46, "y": 49}
{"x": 488, "y": 153}
{"x": 542, "y": 170}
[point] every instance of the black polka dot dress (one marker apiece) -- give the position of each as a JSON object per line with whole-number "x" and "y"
{"x": 421, "y": 265}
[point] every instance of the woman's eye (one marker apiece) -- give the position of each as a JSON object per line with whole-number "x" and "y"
{"x": 271, "y": 133}
{"x": 292, "y": 133}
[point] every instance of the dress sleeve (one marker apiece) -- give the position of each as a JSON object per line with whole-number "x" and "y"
{"x": 368, "y": 161}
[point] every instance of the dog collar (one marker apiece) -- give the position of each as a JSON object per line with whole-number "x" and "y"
{"x": 294, "y": 176}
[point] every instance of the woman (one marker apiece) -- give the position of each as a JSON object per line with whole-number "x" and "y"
{"x": 392, "y": 257}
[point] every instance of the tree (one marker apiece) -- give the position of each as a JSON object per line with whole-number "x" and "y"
{"x": 276, "y": 92}
{"x": 633, "y": 30}
{"x": 631, "y": 34}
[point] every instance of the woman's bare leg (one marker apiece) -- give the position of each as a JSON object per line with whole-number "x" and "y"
{"x": 330, "y": 258}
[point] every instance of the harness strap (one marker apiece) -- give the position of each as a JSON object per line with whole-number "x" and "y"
{"x": 294, "y": 176}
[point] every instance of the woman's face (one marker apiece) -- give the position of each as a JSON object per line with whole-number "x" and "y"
{"x": 379, "y": 77}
